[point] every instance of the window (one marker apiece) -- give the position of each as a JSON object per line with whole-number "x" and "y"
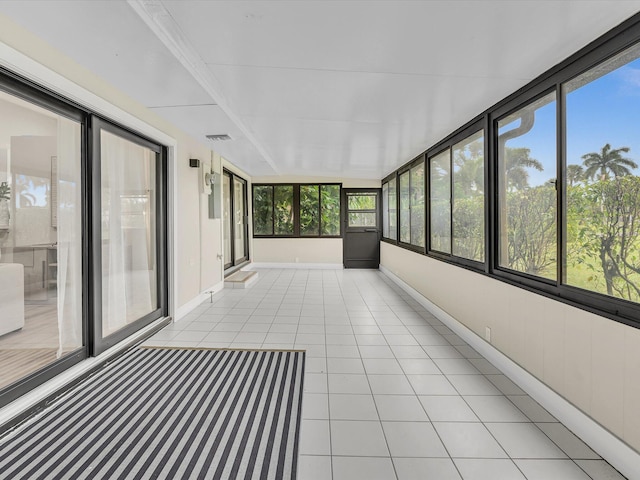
{"x": 467, "y": 227}
{"x": 602, "y": 182}
{"x": 263, "y": 210}
{"x": 389, "y": 210}
{"x": 330, "y": 210}
{"x": 405, "y": 209}
{"x": 309, "y": 210}
{"x": 417, "y": 205}
{"x": 457, "y": 205}
{"x": 412, "y": 206}
{"x": 564, "y": 179}
{"x": 385, "y": 210}
{"x": 527, "y": 189}
{"x": 283, "y": 210}
{"x": 362, "y": 210}
{"x": 440, "y": 204}
{"x": 296, "y": 210}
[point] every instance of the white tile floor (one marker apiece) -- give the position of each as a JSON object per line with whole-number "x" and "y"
{"x": 390, "y": 392}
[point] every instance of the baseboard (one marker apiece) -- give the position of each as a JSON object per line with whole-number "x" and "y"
{"x": 303, "y": 266}
{"x": 188, "y": 307}
{"x": 624, "y": 458}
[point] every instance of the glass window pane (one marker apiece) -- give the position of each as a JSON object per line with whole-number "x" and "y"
{"x": 603, "y": 184}
{"x": 356, "y": 201}
{"x": 309, "y": 210}
{"x": 385, "y": 210}
{"x": 405, "y": 212}
{"x": 283, "y": 209}
{"x": 40, "y": 238}
{"x": 417, "y": 205}
{"x": 129, "y": 259}
{"x": 440, "y": 202}
{"x": 526, "y": 189}
{"x": 330, "y": 209}
{"x": 263, "y": 210}
{"x": 362, "y": 219}
{"x": 393, "y": 211}
{"x": 468, "y": 198}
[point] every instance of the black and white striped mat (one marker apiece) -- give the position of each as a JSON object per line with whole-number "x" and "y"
{"x": 158, "y": 413}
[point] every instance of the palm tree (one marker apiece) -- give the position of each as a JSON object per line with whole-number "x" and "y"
{"x": 575, "y": 174}
{"x": 607, "y": 160}
{"x": 516, "y": 162}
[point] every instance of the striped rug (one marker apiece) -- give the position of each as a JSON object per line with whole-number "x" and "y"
{"x": 161, "y": 413}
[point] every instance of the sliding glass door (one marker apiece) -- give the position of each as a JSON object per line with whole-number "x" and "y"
{"x": 82, "y": 235}
{"x": 128, "y": 240}
{"x": 235, "y": 211}
{"x": 41, "y": 289}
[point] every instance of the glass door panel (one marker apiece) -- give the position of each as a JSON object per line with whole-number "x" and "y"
{"x": 239, "y": 215}
{"x": 40, "y": 239}
{"x": 227, "y": 216}
{"x": 129, "y": 277}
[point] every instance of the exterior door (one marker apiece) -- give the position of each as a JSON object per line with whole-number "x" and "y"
{"x": 362, "y": 222}
{"x": 234, "y": 204}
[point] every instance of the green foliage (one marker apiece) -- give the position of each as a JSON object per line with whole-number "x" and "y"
{"x": 603, "y": 235}
{"x": 531, "y": 231}
{"x": 309, "y": 209}
{"x": 283, "y": 209}
{"x": 263, "y": 210}
{"x": 330, "y": 209}
{"x": 468, "y": 228}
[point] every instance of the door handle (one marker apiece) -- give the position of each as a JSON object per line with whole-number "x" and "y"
{"x": 370, "y": 229}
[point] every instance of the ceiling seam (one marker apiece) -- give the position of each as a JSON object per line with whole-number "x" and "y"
{"x": 154, "y": 14}
{"x": 373, "y": 72}
{"x": 185, "y": 105}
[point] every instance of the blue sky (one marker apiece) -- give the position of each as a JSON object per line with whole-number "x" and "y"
{"x": 606, "y": 110}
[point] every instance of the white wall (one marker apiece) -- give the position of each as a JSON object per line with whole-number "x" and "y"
{"x": 591, "y": 361}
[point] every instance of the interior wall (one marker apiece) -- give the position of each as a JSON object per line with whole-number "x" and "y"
{"x": 297, "y": 250}
{"x": 189, "y": 280}
{"x": 591, "y": 361}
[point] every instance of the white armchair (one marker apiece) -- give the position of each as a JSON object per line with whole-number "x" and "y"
{"x": 11, "y": 297}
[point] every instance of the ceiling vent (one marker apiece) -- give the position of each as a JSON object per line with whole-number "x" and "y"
{"x": 219, "y": 138}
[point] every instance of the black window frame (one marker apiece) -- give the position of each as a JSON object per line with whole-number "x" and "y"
{"x": 612, "y": 43}
{"x": 296, "y": 209}
{"x": 467, "y": 131}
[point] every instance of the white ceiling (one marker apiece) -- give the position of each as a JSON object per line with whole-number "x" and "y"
{"x": 349, "y": 88}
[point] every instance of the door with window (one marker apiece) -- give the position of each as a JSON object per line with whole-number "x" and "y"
{"x": 363, "y": 223}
